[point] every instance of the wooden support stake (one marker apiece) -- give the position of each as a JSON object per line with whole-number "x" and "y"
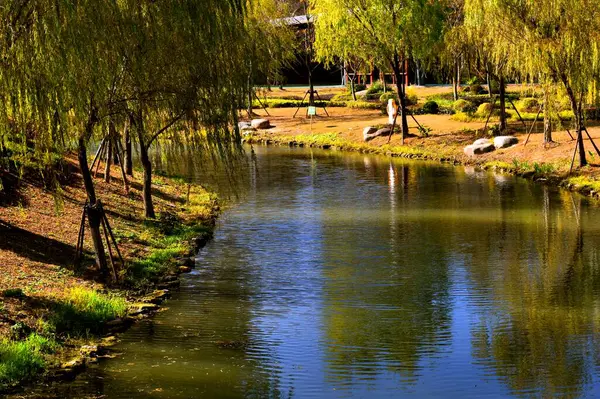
{"x": 104, "y": 148}
{"x": 490, "y": 115}
{"x": 110, "y": 253}
{"x": 97, "y": 153}
{"x": 394, "y": 127}
{"x": 517, "y": 111}
{"x": 301, "y": 104}
{"x": 532, "y": 126}
{"x": 319, "y": 97}
{"x": 592, "y": 140}
{"x": 568, "y": 132}
{"x": 112, "y": 236}
{"x": 260, "y": 102}
{"x": 121, "y": 164}
{"x": 574, "y": 153}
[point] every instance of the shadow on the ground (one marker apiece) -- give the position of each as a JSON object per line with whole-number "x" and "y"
{"x": 34, "y": 246}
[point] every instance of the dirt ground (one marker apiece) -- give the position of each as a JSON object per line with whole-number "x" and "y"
{"x": 349, "y": 124}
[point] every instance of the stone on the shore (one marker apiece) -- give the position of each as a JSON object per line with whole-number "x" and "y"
{"x": 243, "y": 125}
{"x": 386, "y": 131}
{"x": 368, "y": 131}
{"x": 472, "y": 150}
{"x": 261, "y": 124}
{"x": 505, "y": 141}
{"x": 482, "y": 142}
{"x": 142, "y": 308}
{"x": 185, "y": 269}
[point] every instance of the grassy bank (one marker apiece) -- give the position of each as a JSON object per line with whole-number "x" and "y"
{"x": 49, "y": 308}
{"x": 583, "y": 180}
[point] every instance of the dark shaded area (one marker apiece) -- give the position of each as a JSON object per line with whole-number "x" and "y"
{"x": 34, "y": 246}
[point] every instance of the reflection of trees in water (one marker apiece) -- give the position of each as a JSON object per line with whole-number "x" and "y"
{"x": 386, "y": 293}
{"x": 541, "y": 334}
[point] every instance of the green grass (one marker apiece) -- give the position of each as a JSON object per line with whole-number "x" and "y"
{"x": 584, "y": 183}
{"x": 21, "y": 360}
{"x": 84, "y": 311}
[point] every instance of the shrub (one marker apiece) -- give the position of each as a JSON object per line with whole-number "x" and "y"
{"x": 411, "y": 97}
{"x": 388, "y": 96}
{"x": 463, "y": 106}
{"x": 484, "y": 110}
{"x": 476, "y": 89}
{"x": 357, "y": 87}
{"x": 363, "y": 105}
{"x": 375, "y": 88}
{"x": 529, "y": 104}
{"x": 431, "y": 107}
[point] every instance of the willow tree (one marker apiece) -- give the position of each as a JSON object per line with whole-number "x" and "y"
{"x": 270, "y": 42}
{"x": 182, "y": 70}
{"x": 557, "y": 41}
{"x": 381, "y": 31}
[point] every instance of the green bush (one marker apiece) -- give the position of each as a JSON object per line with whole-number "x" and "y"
{"x": 375, "y": 88}
{"x": 357, "y": 87}
{"x": 431, "y": 107}
{"x": 411, "y": 97}
{"x": 388, "y": 96}
{"x": 484, "y": 110}
{"x": 474, "y": 89}
{"x": 463, "y": 106}
{"x": 529, "y": 104}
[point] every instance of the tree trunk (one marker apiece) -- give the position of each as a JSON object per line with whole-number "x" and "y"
{"x": 576, "y": 107}
{"x": 401, "y": 95}
{"x": 128, "y": 152}
{"x": 547, "y": 119}
{"x": 147, "y": 189}
{"x": 352, "y": 88}
{"x": 489, "y": 85}
{"x": 455, "y": 81}
{"x": 93, "y": 220}
{"x": 502, "y": 91}
{"x": 109, "y": 156}
{"x": 311, "y": 88}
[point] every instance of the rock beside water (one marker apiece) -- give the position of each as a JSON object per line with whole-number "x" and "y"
{"x": 260, "y": 124}
{"x": 381, "y": 132}
{"x": 368, "y": 131}
{"x": 472, "y": 150}
{"x": 505, "y": 141}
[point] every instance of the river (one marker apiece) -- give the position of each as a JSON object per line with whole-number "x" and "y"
{"x": 336, "y": 275}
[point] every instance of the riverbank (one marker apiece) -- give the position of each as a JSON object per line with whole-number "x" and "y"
{"x": 445, "y": 142}
{"x": 53, "y": 315}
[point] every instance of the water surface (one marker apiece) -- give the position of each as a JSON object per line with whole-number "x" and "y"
{"x": 341, "y": 275}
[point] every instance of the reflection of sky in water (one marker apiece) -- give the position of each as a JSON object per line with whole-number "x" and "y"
{"x": 355, "y": 276}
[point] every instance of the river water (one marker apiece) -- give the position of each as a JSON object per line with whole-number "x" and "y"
{"x": 336, "y": 275}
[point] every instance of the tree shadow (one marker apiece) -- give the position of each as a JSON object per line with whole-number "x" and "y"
{"x": 34, "y": 246}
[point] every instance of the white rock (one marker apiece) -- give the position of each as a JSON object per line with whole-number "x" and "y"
{"x": 381, "y": 132}
{"x": 261, "y": 123}
{"x": 472, "y": 150}
{"x": 482, "y": 141}
{"x": 505, "y": 141}
{"x": 368, "y": 131}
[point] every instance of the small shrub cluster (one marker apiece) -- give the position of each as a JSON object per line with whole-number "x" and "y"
{"x": 461, "y": 105}
{"x": 21, "y": 360}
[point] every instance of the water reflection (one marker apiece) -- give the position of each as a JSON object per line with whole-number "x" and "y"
{"x": 338, "y": 275}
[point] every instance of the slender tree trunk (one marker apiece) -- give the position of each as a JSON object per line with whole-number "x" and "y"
{"x": 401, "y": 95}
{"x": 147, "y": 189}
{"x": 547, "y": 119}
{"x": 311, "y": 88}
{"x": 93, "y": 212}
{"x": 576, "y": 107}
{"x": 502, "y": 90}
{"x": 489, "y": 85}
{"x": 455, "y": 81}
{"x": 146, "y": 166}
{"x": 353, "y": 89}
{"x": 128, "y": 152}
{"x": 109, "y": 156}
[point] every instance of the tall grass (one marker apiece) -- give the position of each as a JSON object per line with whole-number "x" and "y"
{"x": 84, "y": 311}
{"x": 21, "y": 360}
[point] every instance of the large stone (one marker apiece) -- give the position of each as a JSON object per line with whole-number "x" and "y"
{"x": 505, "y": 141}
{"x": 243, "y": 125}
{"x": 482, "y": 141}
{"x": 381, "y": 132}
{"x": 472, "y": 150}
{"x": 368, "y": 131}
{"x": 261, "y": 123}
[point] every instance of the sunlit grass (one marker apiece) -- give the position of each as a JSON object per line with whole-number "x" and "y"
{"x": 20, "y": 360}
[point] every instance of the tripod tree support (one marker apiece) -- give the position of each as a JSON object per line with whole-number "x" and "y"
{"x": 311, "y": 94}
{"x": 532, "y": 126}
{"x": 97, "y": 219}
